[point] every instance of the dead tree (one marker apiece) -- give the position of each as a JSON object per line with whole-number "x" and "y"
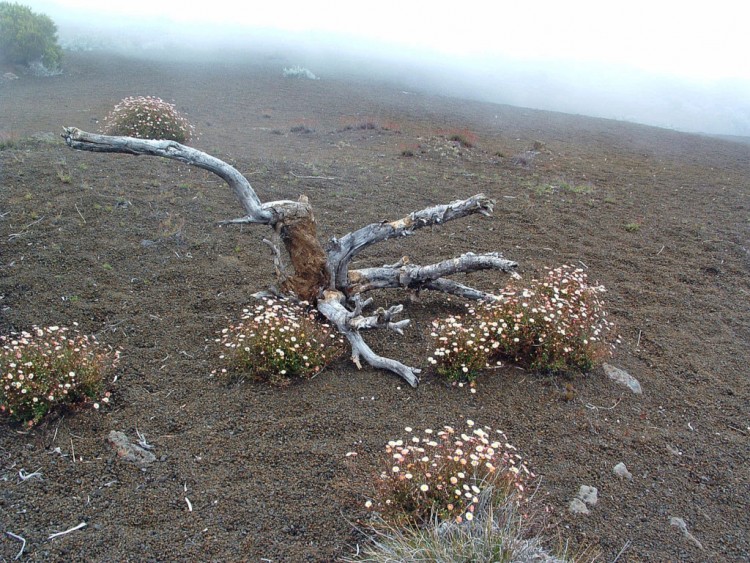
{"x": 321, "y": 275}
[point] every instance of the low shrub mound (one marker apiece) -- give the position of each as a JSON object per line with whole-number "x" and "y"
{"x": 442, "y": 475}
{"x": 452, "y": 496}
{"x": 278, "y": 341}
{"x": 148, "y": 117}
{"x": 555, "y": 325}
{"x": 49, "y": 367}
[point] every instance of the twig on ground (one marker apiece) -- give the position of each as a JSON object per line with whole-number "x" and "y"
{"x": 26, "y": 476}
{"x": 23, "y": 543}
{"x": 313, "y": 177}
{"x": 79, "y": 213}
{"x": 638, "y": 344}
{"x": 73, "y": 529}
{"x": 594, "y": 407}
{"x": 19, "y": 233}
{"x": 142, "y": 441}
{"x": 661, "y": 249}
{"x": 623, "y": 550}
{"x": 189, "y": 504}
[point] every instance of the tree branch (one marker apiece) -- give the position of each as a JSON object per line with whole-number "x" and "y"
{"x": 332, "y": 308}
{"x": 342, "y": 251}
{"x": 254, "y": 210}
{"x": 413, "y": 276}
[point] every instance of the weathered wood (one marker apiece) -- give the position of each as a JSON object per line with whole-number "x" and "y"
{"x": 342, "y": 251}
{"x": 255, "y": 212}
{"x": 320, "y": 275}
{"x": 332, "y": 307}
{"x": 413, "y": 276}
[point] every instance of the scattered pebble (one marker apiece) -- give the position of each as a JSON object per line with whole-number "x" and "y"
{"x": 623, "y": 378}
{"x": 622, "y": 472}
{"x": 127, "y": 450}
{"x": 589, "y": 495}
{"x": 577, "y": 506}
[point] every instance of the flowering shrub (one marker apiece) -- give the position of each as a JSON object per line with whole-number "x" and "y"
{"x": 48, "y": 367}
{"x": 277, "y": 341}
{"x": 443, "y": 475}
{"x": 557, "y": 324}
{"x": 148, "y": 118}
{"x": 462, "y": 350}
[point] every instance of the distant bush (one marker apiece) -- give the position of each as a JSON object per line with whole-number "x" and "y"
{"x": 148, "y": 118}
{"x": 28, "y": 38}
{"x": 299, "y": 72}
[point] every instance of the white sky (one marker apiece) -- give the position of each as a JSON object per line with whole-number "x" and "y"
{"x": 695, "y": 39}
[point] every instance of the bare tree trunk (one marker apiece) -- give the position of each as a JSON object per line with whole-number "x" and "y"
{"x": 321, "y": 275}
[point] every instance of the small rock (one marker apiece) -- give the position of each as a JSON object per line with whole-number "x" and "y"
{"x": 623, "y": 378}
{"x": 589, "y": 495}
{"x": 577, "y": 506}
{"x": 622, "y": 471}
{"x": 128, "y": 451}
{"x": 586, "y": 496}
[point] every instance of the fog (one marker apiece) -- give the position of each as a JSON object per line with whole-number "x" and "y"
{"x": 659, "y": 63}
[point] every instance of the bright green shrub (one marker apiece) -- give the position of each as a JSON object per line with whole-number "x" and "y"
{"x": 27, "y": 37}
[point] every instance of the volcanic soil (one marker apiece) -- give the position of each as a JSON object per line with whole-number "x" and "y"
{"x": 130, "y": 248}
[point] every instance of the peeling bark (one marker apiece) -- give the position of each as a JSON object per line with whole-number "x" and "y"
{"x": 321, "y": 275}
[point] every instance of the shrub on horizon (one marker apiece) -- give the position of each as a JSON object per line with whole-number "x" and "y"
{"x": 48, "y": 367}
{"x": 278, "y": 341}
{"x": 148, "y": 117}
{"x": 299, "y": 72}
{"x": 29, "y": 38}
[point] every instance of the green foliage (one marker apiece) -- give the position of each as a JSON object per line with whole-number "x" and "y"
{"x": 443, "y": 475}
{"x": 48, "y": 367}
{"x": 277, "y": 342}
{"x": 148, "y": 117}
{"x": 27, "y": 37}
{"x": 633, "y": 227}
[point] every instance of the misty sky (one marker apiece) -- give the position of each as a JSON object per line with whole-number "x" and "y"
{"x": 693, "y": 53}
